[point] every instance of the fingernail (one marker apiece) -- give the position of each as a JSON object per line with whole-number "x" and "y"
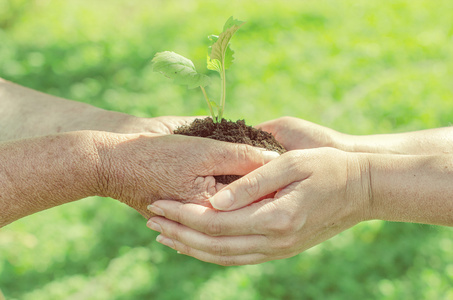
{"x": 165, "y": 241}
{"x": 160, "y": 238}
{"x": 222, "y": 200}
{"x": 154, "y": 226}
{"x": 270, "y": 155}
{"x": 155, "y": 210}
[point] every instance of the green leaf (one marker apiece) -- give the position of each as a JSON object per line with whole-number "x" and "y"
{"x": 214, "y": 65}
{"x": 220, "y": 48}
{"x": 232, "y": 22}
{"x": 179, "y": 68}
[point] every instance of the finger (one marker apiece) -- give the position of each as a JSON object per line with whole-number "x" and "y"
{"x": 268, "y": 126}
{"x": 259, "y": 183}
{"x": 236, "y": 260}
{"x": 222, "y": 245}
{"x": 283, "y": 124}
{"x": 248, "y": 221}
{"x": 236, "y": 159}
{"x": 286, "y": 131}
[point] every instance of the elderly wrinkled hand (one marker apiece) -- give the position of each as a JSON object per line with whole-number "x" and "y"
{"x": 46, "y": 171}
{"x": 141, "y": 169}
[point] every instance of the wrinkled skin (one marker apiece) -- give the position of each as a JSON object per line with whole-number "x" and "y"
{"x": 140, "y": 169}
{"x": 182, "y": 167}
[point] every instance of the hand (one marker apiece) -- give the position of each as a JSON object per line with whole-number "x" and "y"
{"x": 294, "y": 133}
{"x": 139, "y": 169}
{"x": 319, "y": 193}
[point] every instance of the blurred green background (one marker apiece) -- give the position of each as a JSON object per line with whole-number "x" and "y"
{"x": 359, "y": 67}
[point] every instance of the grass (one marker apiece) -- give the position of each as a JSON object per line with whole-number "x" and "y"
{"x": 360, "y": 67}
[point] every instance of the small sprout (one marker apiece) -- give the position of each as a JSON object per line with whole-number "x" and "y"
{"x": 220, "y": 58}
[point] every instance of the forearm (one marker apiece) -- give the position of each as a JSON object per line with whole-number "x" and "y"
{"x": 43, "y": 172}
{"x": 28, "y": 113}
{"x": 424, "y": 142}
{"x": 408, "y": 188}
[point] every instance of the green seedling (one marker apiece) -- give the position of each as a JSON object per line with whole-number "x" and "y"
{"x": 220, "y": 58}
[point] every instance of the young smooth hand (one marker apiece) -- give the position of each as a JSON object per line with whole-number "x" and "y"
{"x": 306, "y": 196}
{"x": 294, "y": 133}
{"x": 309, "y": 196}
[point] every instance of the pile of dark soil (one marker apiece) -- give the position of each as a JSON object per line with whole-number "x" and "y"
{"x": 233, "y": 132}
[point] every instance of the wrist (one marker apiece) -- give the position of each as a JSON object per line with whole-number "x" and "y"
{"x": 105, "y": 144}
{"x": 358, "y": 187}
{"x": 390, "y": 181}
{"x": 122, "y": 159}
{"x": 412, "y": 188}
{"x": 87, "y": 159}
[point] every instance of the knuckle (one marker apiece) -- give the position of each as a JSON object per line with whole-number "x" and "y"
{"x": 295, "y": 157}
{"x": 179, "y": 214}
{"x": 294, "y": 162}
{"x": 283, "y": 224}
{"x": 243, "y": 151}
{"x": 218, "y": 248}
{"x": 171, "y": 232}
{"x": 214, "y": 226}
{"x": 252, "y": 185}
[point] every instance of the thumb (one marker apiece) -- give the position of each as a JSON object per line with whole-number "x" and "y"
{"x": 251, "y": 187}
